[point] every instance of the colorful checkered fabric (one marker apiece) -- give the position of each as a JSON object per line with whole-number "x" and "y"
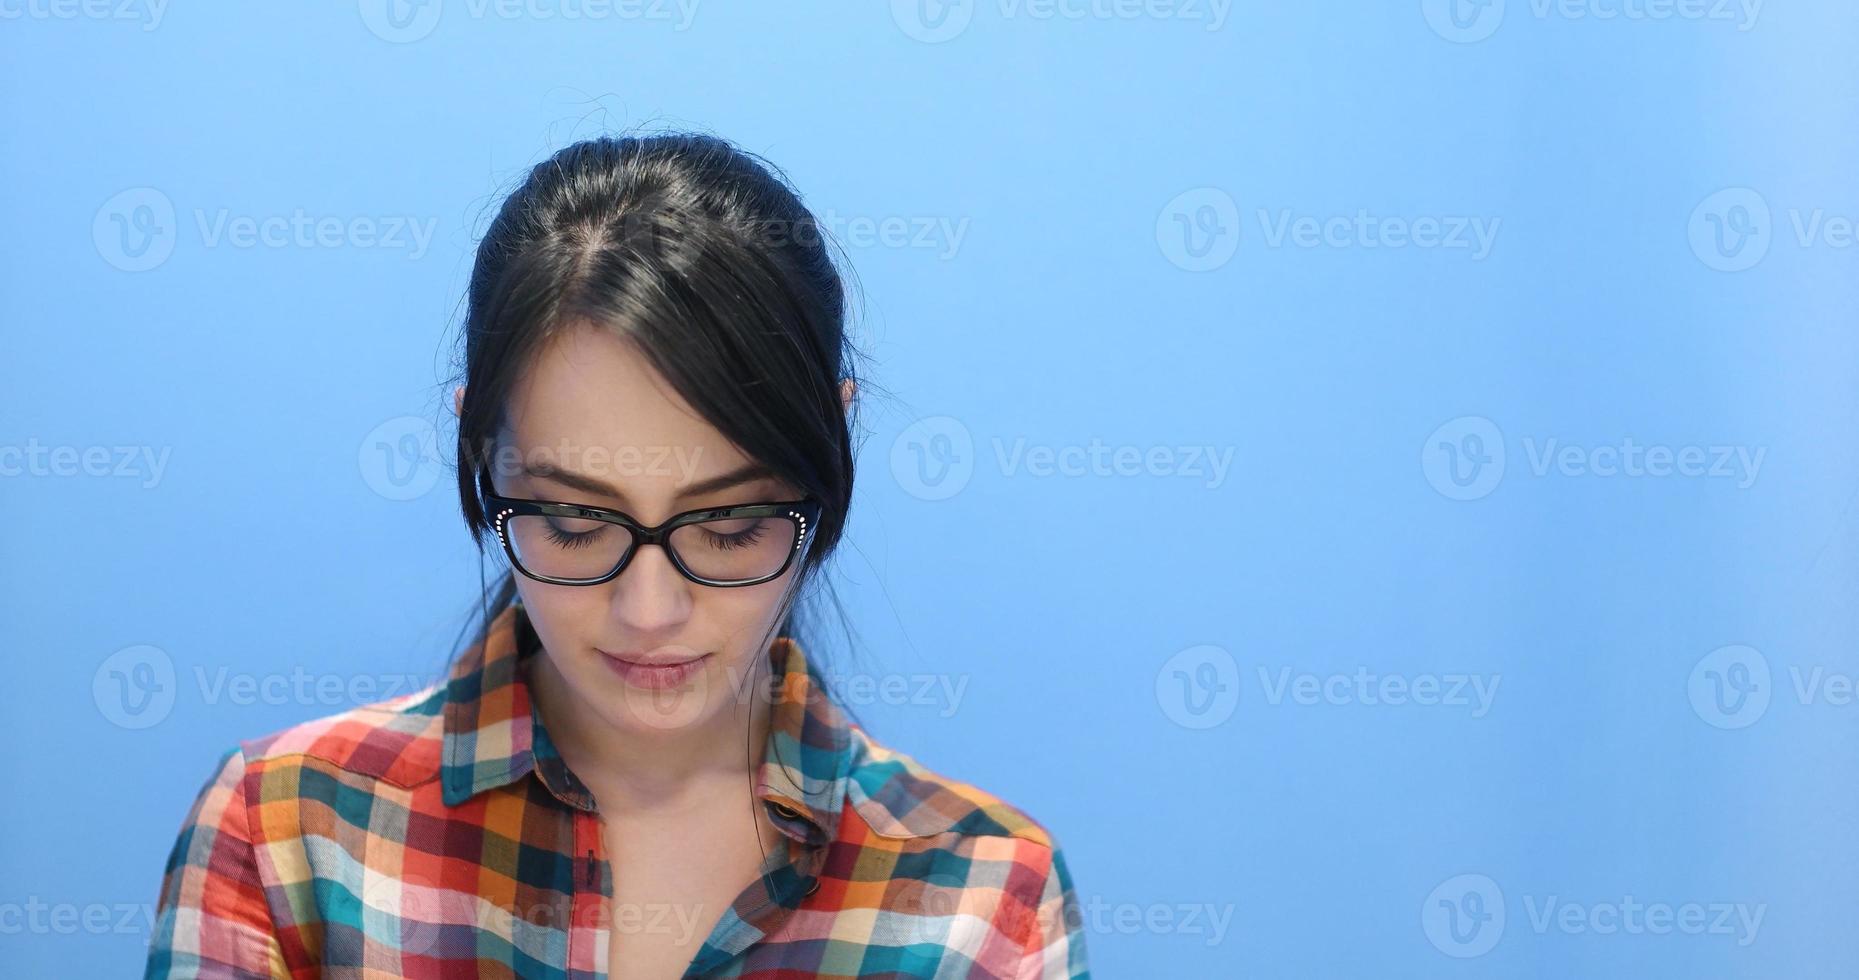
{"x": 439, "y": 834}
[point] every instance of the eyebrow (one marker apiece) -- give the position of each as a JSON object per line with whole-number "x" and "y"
{"x": 746, "y": 473}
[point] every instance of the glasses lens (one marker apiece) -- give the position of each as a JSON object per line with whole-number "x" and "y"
{"x": 737, "y": 549}
{"x": 566, "y": 547}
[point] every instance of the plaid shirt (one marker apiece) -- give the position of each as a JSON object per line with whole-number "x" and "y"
{"x": 441, "y": 834}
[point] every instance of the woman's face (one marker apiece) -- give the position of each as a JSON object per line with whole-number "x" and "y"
{"x": 592, "y": 423}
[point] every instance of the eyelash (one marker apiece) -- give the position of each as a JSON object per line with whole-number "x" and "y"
{"x": 566, "y": 540}
{"x": 730, "y": 542}
{"x": 726, "y": 542}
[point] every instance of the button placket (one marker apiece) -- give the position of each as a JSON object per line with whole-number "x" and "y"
{"x": 587, "y": 934}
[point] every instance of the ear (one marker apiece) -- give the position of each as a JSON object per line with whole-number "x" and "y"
{"x": 458, "y": 401}
{"x": 846, "y": 390}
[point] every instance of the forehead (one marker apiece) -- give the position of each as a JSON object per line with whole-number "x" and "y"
{"x": 591, "y": 389}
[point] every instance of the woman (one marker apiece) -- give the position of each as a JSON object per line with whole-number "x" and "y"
{"x": 634, "y": 769}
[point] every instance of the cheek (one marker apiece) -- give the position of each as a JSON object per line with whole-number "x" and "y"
{"x": 561, "y": 615}
{"x": 742, "y": 615}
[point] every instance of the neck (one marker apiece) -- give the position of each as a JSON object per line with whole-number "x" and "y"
{"x": 637, "y": 771}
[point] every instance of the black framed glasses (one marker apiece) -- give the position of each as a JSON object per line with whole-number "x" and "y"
{"x": 726, "y": 547}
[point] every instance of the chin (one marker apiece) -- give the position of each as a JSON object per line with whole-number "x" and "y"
{"x": 657, "y": 706}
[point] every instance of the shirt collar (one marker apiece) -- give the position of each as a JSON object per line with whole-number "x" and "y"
{"x": 493, "y": 735}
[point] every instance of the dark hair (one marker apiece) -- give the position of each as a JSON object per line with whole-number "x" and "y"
{"x": 694, "y": 250}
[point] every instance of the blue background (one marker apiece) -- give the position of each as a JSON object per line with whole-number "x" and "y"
{"x": 1118, "y": 181}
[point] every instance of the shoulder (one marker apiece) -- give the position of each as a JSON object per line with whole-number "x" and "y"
{"x": 898, "y": 797}
{"x": 398, "y": 741}
{"x": 982, "y": 855}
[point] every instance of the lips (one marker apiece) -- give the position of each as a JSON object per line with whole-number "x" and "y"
{"x": 661, "y": 657}
{"x": 656, "y": 670}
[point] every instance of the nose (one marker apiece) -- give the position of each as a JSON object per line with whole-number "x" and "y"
{"x": 649, "y": 594}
